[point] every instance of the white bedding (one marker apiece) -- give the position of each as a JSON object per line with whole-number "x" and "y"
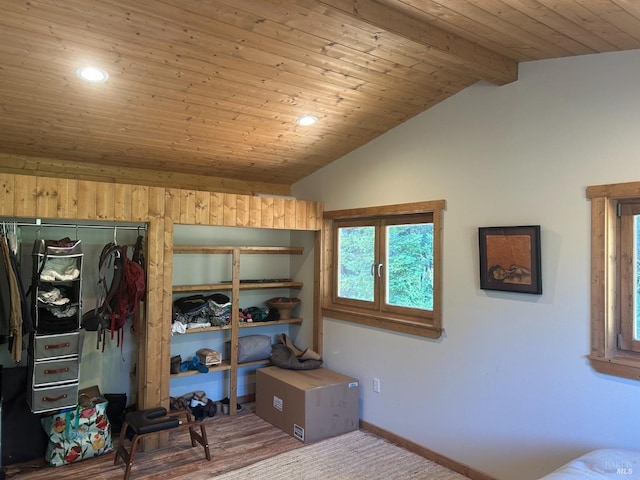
{"x": 600, "y": 464}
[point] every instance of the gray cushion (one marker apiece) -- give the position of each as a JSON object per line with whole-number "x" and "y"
{"x": 253, "y": 348}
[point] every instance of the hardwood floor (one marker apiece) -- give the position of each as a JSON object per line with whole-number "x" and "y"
{"x": 234, "y": 442}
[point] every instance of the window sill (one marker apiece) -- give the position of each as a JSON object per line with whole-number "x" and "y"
{"x": 621, "y": 365}
{"x": 388, "y": 323}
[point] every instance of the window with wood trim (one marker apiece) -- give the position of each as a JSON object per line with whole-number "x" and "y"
{"x": 628, "y": 215}
{"x": 383, "y": 267}
{"x": 615, "y": 279}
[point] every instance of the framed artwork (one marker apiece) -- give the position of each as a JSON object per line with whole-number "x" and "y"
{"x": 510, "y": 259}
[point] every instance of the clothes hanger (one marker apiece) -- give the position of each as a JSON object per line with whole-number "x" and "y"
{"x": 11, "y": 234}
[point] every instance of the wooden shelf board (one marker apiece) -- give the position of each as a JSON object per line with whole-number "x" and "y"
{"x": 211, "y": 287}
{"x": 224, "y": 366}
{"x": 254, "y": 364}
{"x": 266, "y": 324}
{"x": 243, "y": 325}
{"x": 208, "y": 249}
{"x": 262, "y": 285}
{"x": 219, "y": 287}
{"x": 206, "y": 329}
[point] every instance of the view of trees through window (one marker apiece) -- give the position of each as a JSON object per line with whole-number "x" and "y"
{"x": 357, "y": 255}
{"x": 407, "y": 266}
{"x": 410, "y": 265}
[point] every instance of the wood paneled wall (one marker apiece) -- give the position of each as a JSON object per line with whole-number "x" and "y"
{"x": 77, "y": 170}
{"x": 25, "y": 196}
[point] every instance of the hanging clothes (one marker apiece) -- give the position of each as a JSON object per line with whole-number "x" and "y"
{"x": 15, "y": 310}
{"x": 15, "y": 319}
{"x": 5, "y": 298}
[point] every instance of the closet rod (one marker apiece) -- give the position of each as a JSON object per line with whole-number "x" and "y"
{"x": 73, "y": 225}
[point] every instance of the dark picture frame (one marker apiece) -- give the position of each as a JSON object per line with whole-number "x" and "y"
{"x": 510, "y": 259}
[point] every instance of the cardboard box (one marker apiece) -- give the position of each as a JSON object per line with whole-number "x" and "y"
{"x": 309, "y": 405}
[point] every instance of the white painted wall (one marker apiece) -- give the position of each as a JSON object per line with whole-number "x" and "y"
{"x": 507, "y": 389}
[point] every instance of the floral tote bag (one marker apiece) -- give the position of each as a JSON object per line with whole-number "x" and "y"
{"x": 78, "y": 433}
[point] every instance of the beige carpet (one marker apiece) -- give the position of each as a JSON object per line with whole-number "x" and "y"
{"x": 353, "y": 456}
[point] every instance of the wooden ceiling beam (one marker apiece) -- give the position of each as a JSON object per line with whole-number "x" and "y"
{"x": 49, "y": 167}
{"x": 456, "y": 51}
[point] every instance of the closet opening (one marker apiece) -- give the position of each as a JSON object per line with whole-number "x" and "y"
{"x": 113, "y": 369}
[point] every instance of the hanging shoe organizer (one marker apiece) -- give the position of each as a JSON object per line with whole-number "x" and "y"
{"x": 55, "y": 346}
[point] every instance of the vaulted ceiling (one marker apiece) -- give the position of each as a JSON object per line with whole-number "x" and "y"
{"x": 205, "y": 94}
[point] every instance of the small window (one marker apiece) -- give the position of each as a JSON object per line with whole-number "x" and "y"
{"x": 384, "y": 267}
{"x": 628, "y": 224}
{"x": 615, "y": 279}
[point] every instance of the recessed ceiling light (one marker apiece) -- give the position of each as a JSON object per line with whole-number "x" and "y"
{"x": 307, "y": 120}
{"x": 92, "y": 74}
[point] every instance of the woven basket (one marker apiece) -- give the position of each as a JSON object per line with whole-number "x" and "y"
{"x": 284, "y": 305}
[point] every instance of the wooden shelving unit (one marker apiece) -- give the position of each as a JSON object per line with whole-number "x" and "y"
{"x": 235, "y": 285}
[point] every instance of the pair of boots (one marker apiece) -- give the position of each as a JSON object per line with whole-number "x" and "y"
{"x": 306, "y": 354}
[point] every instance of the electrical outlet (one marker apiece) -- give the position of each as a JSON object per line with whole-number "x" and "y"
{"x": 376, "y": 385}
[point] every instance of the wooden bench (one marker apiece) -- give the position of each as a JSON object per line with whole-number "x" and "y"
{"x": 152, "y": 421}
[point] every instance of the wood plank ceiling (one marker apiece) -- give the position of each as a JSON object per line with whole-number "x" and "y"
{"x": 205, "y": 94}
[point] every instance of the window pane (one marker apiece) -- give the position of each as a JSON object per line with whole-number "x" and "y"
{"x": 636, "y": 278}
{"x": 356, "y": 254}
{"x": 409, "y": 272}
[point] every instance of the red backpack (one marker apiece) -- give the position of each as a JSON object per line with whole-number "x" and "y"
{"x": 130, "y": 292}
{"x": 119, "y": 302}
